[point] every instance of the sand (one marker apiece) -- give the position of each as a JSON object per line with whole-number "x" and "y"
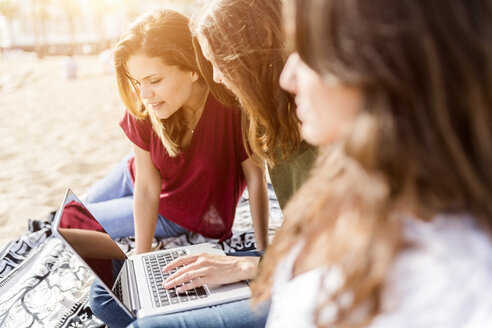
{"x": 54, "y": 133}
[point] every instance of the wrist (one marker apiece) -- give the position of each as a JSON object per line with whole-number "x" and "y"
{"x": 261, "y": 245}
{"x": 143, "y": 248}
{"x": 249, "y": 266}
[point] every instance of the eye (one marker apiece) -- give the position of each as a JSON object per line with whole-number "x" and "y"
{"x": 155, "y": 81}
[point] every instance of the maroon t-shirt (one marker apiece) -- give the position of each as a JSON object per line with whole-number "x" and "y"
{"x": 202, "y": 185}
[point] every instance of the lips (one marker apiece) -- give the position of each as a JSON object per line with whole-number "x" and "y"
{"x": 156, "y": 105}
{"x": 299, "y": 109}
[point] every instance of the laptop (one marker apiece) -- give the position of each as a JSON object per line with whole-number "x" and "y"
{"x": 135, "y": 282}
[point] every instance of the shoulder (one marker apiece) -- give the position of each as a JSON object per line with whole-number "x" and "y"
{"x": 221, "y": 118}
{"x": 446, "y": 239}
{"x": 215, "y": 106}
{"x": 284, "y": 310}
{"x": 443, "y": 279}
{"x": 130, "y": 120}
{"x": 139, "y": 131}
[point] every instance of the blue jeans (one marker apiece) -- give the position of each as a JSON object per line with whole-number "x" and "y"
{"x": 229, "y": 315}
{"x": 110, "y": 200}
{"x": 237, "y": 314}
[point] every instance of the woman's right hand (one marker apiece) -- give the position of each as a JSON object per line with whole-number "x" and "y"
{"x": 211, "y": 269}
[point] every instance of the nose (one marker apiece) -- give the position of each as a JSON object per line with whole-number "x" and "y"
{"x": 146, "y": 91}
{"x": 288, "y": 78}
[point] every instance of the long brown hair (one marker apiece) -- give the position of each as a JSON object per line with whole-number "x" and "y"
{"x": 246, "y": 43}
{"x": 420, "y": 145}
{"x": 163, "y": 34}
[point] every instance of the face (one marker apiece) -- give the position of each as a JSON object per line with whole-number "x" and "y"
{"x": 163, "y": 89}
{"x": 325, "y": 110}
{"x": 218, "y": 75}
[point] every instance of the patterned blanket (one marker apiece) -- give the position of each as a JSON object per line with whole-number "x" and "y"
{"x": 43, "y": 284}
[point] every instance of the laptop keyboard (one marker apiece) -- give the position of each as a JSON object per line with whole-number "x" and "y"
{"x": 117, "y": 290}
{"x": 162, "y": 296}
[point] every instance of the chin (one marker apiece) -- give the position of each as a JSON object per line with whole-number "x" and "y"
{"x": 163, "y": 116}
{"x": 312, "y": 136}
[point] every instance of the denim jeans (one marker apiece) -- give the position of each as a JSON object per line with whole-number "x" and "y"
{"x": 228, "y": 315}
{"x": 237, "y": 314}
{"x": 110, "y": 200}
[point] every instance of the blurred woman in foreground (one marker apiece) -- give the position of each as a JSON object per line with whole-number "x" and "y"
{"x": 393, "y": 229}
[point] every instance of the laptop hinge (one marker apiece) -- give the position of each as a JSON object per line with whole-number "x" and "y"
{"x": 132, "y": 282}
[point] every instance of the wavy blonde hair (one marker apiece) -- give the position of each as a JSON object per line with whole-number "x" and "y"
{"x": 421, "y": 143}
{"x": 246, "y": 43}
{"x": 163, "y": 34}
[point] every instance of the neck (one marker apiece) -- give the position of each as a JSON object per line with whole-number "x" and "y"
{"x": 195, "y": 103}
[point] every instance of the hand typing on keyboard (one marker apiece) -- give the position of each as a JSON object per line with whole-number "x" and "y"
{"x": 198, "y": 270}
{"x": 161, "y": 296}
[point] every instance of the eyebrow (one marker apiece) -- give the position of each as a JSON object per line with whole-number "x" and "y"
{"x": 145, "y": 78}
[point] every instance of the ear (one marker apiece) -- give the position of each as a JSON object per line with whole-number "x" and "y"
{"x": 194, "y": 76}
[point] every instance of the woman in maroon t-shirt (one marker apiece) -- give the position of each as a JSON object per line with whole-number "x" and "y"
{"x": 189, "y": 166}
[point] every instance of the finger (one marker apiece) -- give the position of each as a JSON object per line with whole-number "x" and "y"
{"x": 184, "y": 260}
{"x": 181, "y": 271}
{"x": 192, "y": 284}
{"x": 199, "y": 273}
{"x": 185, "y": 278}
{"x": 198, "y": 263}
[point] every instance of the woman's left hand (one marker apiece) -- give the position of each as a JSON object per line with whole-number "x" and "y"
{"x": 212, "y": 269}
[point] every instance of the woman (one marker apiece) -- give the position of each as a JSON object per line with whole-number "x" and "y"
{"x": 190, "y": 166}
{"x": 393, "y": 229}
{"x": 185, "y": 168}
{"x": 243, "y": 45}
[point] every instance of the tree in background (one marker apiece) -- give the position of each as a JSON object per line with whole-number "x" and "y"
{"x": 40, "y": 15}
{"x": 9, "y": 9}
{"x": 99, "y": 9}
{"x": 71, "y": 9}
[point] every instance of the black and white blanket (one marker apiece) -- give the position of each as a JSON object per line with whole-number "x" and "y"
{"x": 43, "y": 284}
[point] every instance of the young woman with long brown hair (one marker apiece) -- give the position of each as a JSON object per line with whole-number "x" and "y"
{"x": 394, "y": 227}
{"x": 243, "y": 46}
{"x": 189, "y": 166}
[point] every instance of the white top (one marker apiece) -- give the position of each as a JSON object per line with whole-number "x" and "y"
{"x": 445, "y": 281}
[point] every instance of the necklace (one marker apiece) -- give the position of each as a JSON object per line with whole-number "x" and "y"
{"x": 191, "y": 124}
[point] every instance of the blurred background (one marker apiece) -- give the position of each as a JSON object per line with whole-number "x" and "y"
{"x": 59, "y": 105}
{"x": 61, "y": 27}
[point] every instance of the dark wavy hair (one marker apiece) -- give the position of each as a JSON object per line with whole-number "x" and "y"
{"x": 420, "y": 145}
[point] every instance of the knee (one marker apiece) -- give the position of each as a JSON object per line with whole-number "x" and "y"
{"x": 89, "y": 197}
{"x": 98, "y": 297}
{"x": 105, "y": 308}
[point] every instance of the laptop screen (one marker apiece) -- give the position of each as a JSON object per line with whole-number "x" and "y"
{"x": 78, "y": 227}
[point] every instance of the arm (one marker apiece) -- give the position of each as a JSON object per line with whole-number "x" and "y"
{"x": 258, "y": 200}
{"x": 209, "y": 269}
{"x": 145, "y": 200}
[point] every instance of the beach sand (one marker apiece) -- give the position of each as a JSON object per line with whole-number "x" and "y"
{"x": 54, "y": 133}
